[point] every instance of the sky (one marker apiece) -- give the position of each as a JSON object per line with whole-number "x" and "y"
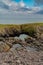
{"x": 21, "y": 11}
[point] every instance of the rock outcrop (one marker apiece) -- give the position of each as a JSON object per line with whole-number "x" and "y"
{"x": 14, "y": 51}
{"x": 34, "y": 32}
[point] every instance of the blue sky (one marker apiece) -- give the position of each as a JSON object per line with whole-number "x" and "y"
{"x": 21, "y": 11}
{"x": 30, "y": 3}
{"x": 27, "y": 2}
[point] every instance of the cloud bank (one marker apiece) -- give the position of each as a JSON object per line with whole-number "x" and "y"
{"x": 19, "y": 10}
{"x": 10, "y": 6}
{"x": 38, "y": 2}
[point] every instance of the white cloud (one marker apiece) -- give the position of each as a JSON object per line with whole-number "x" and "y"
{"x": 18, "y": 11}
{"x": 22, "y": 4}
{"x": 17, "y": 7}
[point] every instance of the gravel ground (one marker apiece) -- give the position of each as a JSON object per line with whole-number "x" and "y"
{"x": 21, "y": 56}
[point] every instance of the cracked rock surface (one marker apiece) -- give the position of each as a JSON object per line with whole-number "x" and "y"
{"x": 17, "y": 52}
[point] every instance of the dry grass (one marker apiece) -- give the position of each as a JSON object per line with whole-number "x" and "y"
{"x": 26, "y": 28}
